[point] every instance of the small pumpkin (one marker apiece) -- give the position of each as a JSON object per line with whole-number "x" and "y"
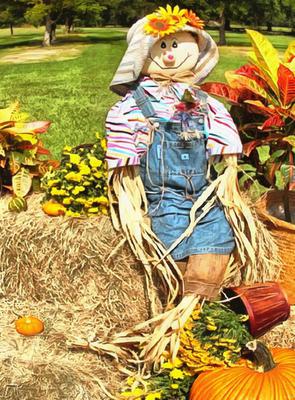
{"x": 29, "y": 326}
{"x": 273, "y": 379}
{"x": 18, "y": 204}
{"x": 53, "y": 209}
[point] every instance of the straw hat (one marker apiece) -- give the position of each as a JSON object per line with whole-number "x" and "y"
{"x": 140, "y": 43}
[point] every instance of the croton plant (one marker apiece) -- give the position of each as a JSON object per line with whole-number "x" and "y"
{"x": 21, "y": 151}
{"x": 262, "y": 98}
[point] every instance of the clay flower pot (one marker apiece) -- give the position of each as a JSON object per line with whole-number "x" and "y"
{"x": 265, "y": 303}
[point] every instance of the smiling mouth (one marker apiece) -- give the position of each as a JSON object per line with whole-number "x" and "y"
{"x": 175, "y": 67}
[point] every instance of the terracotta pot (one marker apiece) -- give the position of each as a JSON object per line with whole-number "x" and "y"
{"x": 265, "y": 303}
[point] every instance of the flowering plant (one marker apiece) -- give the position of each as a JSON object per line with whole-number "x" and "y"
{"x": 20, "y": 151}
{"x": 80, "y": 182}
{"x": 165, "y": 21}
{"x": 262, "y": 98}
{"x": 212, "y": 337}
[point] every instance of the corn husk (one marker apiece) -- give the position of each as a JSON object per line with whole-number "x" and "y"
{"x": 255, "y": 259}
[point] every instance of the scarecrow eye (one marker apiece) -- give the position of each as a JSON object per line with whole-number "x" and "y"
{"x": 163, "y": 45}
{"x": 175, "y": 44}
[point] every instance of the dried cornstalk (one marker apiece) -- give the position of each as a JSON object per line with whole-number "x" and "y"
{"x": 256, "y": 256}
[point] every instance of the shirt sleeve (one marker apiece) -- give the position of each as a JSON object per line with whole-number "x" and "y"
{"x": 125, "y": 126}
{"x": 223, "y": 136}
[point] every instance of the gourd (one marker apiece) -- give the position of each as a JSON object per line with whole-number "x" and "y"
{"x": 53, "y": 209}
{"x": 273, "y": 378}
{"x": 29, "y": 325}
{"x": 17, "y": 204}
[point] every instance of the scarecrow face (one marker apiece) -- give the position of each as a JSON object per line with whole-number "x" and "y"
{"x": 171, "y": 54}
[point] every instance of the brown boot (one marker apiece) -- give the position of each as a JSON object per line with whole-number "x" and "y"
{"x": 204, "y": 275}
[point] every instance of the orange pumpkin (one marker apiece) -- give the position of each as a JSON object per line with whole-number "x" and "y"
{"x": 29, "y": 326}
{"x": 53, "y": 209}
{"x": 274, "y": 379}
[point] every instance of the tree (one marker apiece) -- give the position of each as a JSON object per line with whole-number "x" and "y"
{"x": 11, "y": 13}
{"x": 50, "y": 12}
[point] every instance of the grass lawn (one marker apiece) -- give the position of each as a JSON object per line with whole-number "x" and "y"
{"x": 69, "y": 84}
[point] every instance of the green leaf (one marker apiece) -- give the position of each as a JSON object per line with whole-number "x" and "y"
{"x": 280, "y": 180}
{"x": 257, "y": 190}
{"x": 263, "y": 153}
{"x": 21, "y": 183}
{"x": 247, "y": 168}
{"x": 220, "y": 167}
{"x": 287, "y": 171}
{"x": 244, "y": 179}
{"x": 276, "y": 154}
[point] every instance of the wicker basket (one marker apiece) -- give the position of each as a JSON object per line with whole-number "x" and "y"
{"x": 269, "y": 207}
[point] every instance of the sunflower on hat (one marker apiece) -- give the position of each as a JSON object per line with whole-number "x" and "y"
{"x": 165, "y": 21}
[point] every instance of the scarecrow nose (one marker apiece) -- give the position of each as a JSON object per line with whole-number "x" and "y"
{"x": 168, "y": 58}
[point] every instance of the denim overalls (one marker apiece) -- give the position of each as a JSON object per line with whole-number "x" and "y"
{"x": 174, "y": 175}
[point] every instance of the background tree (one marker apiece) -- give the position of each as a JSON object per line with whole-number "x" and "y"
{"x": 11, "y": 13}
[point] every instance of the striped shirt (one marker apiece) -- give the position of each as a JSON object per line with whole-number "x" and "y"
{"x": 127, "y": 130}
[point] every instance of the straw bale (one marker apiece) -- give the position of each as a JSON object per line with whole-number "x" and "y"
{"x": 42, "y": 367}
{"x": 64, "y": 259}
{"x": 78, "y": 276}
{"x": 284, "y": 334}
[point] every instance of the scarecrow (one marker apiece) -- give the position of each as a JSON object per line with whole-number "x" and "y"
{"x": 164, "y": 137}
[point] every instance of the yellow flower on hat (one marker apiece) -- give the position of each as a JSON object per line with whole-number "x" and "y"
{"x": 159, "y": 26}
{"x": 178, "y": 16}
{"x": 165, "y": 21}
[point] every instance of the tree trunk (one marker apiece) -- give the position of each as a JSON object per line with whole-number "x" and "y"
{"x": 269, "y": 26}
{"x": 222, "y": 39}
{"x": 49, "y": 31}
{"x": 11, "y": 28}
{"x": 69, "y": 24}
{"x": 227, "y": 24}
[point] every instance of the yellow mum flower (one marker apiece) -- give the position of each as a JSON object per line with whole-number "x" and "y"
{"x": 211, "y": 327}
{"x": 94, "y": 162}
{"x": 136, "y": 392}
{"x": 98, "y": 174}
{"x": 176, "y": 374}
{"x": 67, "y": 200}
{"x": 104, "y": 210}
{"x": 78, "y": 189}
{"x": 174, "y": 386}
{"x": 67, "y": 149}
{"x": 52, "y": 182}
{"x": 80, "y": 200}
{"x": 130, "y": 380}
{"x": 70, "y": 213}
{"x": 102, "y": 200}
{"x": 153, "y": 396}
{"x": 75, "y": 159}
{"x": 244, "y": 318}
{"x": 58, "y": 192}
{"x": 93, "y": 210}
{"x": 73, "y": 176}
{"x": 84, "y": 169}
{"x": 103, "y": 144}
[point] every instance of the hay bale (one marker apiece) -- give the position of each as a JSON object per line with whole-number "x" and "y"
{"x": 42, "y": 367}
{"x": 64, "y": 259}
{"x": 66, "y": 272}
{"x": 284, "y": 334}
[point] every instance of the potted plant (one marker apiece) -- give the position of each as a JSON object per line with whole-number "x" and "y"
{"x": 261, "y": 95}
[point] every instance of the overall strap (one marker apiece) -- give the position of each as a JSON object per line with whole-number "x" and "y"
{"x": 143, "y": 102}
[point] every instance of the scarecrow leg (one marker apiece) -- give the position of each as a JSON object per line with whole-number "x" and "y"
{"x": 182, "y": 265}
{"x": 204, "y": 274}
